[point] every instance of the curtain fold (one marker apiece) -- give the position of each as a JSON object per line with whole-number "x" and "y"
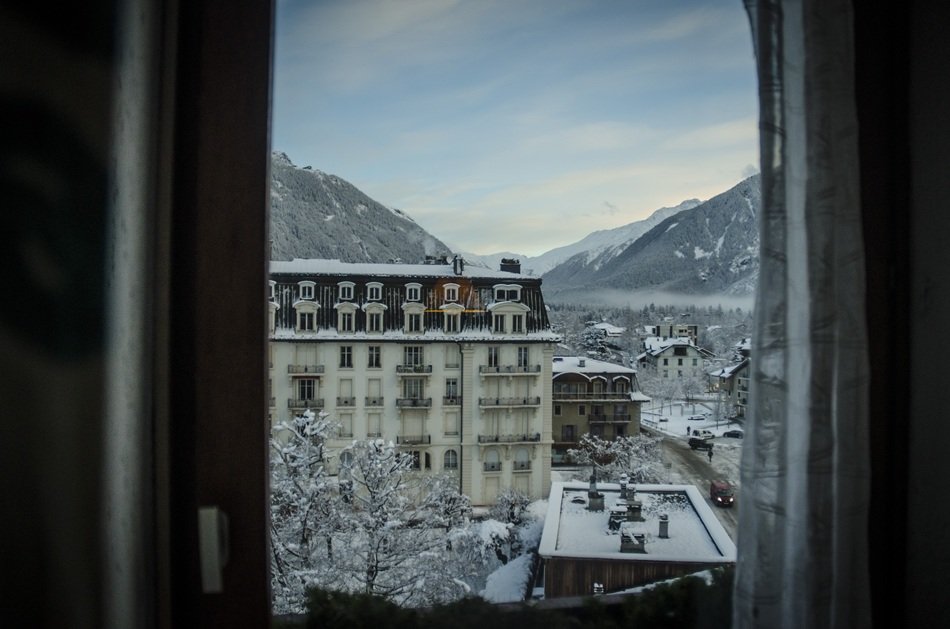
{"x": 802, "y": 542}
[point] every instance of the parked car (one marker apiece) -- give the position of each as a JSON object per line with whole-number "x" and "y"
{"x": 721, "y": 493}
{"x": 696, "y": 418}
{"x": 703, "y": 434}
{"x": 735, "y": 434}
{"x": 700, "y": 444}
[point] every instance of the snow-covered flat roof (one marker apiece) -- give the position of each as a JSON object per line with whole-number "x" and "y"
{"x": 572, "y": 364}
{"x": 695, "y": 534}
{"x": 300, "y": 266}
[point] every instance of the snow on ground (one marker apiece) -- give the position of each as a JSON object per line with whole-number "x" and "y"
{"x": 507, "y": 584}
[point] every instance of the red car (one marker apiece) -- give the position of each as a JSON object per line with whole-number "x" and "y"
{"x": 721, "y": 493}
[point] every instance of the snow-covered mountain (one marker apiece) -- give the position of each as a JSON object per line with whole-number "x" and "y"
{"x": 316, "y": 215}
{"x": 601, "y": 245}
{"x": 710, "y": 248}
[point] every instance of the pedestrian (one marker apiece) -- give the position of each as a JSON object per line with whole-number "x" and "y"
{"x": 688, "y": 433}
{"x": 709, "y": 454}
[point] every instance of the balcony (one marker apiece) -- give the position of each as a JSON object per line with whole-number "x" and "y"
{"x": 413, "y": 369}
{"x": 344, "y": 433}
{"x": 411, "y": 402}
{"x": 374, "y": 435}
{"x": 374, "y": 401}
{"x": 413, "y": 440}
{"x": 509, "y": 401}
{"x": 522, "y": 466}
{"x": 509, "y": 438}
{"x": 273, "y": 402}
{"x": 493, "y": 467}
{"x": 609, "y": 419}
{"x": 509, "y": 370}
{"x": 304, "y": 403}
{"x": 590, "y": 397}
{"x": 305, "y": 370}
{"x": 346, "y": 401}
{"x": 451, "y": 400}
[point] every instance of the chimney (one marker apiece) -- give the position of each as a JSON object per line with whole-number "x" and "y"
{"x": 581, "y": 362}
{"x": 458, "y": 264}
{"x": 510, "y": 265}
{"x": 664, "y": 526}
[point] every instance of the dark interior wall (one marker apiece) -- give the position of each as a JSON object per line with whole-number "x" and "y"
{"x": 928, "y": 533}
{"x": 55, "y": 86}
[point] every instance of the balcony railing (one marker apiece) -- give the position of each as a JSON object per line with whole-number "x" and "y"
{"x": 522, "y": 466}
{"x": 493, "y": 467}
{"x": 411, "y": 402}
{"x": 451, "y": 400}
{"x": 509, "y": 370}
{"x": 598, "y": 395}
{"x": 509, "y": 401}
{"x": 413, "y": 440}
{"x": 346, "y": 401}
{"x": 509, "y": 438}
{"x": 273, "y": 402}
{"x": 304, "y": 403}
{"x": 345, "y": 434}
{"x": 413, "y": 369}
{"x": 305, "y": 369}
{"x": 609, "y": 419}
{"x": 374, "y": 435}
{"x": 374, "y": 401}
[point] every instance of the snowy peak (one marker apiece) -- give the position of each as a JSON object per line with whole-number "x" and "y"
{"x": 710, "y": 248}
{"x": 317, "y": 215}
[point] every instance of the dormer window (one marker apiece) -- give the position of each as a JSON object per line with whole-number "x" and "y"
{"x": 507, "y": 292}
{"x": 413, "y": 292}
{"x": 345, "y": 290}
{"x": 517, "y": 324}
{"x": 306, "y": 289}
{"x": 306, "y": 316}
{"x": 451, "y": 292}
{"x": 412, "y": 317}
{"x": 346, "y": 317}
{"x": 374, "y": 291}
{"x": 499, "y": 323}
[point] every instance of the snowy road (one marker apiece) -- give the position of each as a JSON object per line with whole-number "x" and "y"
{"x": 692, "y": 467}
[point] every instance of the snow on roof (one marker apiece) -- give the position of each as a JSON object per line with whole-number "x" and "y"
{"x": 571, "y": 364}
{"x": 611, "y": 330}
{"x": 695, "y": 534}
{"x": 431, "y": 334}
{"x": 300, "y": 266}
{"x": 729, "y": 370}
{"x": 656, "y": 345}
{"x": 637, "y": 396}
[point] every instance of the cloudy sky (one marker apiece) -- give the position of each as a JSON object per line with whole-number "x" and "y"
{"x": 518, "y": 125}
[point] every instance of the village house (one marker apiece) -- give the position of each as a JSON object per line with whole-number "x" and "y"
{"x": 593, "y": 396}
{"x": 674, "y": 358}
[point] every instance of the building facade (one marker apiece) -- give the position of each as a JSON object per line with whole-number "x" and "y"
{"x": 674, "y": 358}
{"x": 593, "y": 396}
{"x": 450, "y": 362}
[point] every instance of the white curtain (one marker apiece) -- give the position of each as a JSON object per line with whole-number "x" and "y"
{"x": 802, "y": 538}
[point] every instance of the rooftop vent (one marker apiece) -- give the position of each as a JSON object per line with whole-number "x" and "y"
{"x": 581, "y": 362}
{"x": 510, "y": 265}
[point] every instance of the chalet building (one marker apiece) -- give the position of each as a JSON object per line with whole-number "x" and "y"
{"x": 674, "y": 358}
{"x": 593, "y": 396}
{"x": 669, "y": 330}
{"x": 451, "y": 362}
{"x": 732, "y": 384}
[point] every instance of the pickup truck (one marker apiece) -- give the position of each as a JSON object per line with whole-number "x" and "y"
{"x": 700, "y": 444}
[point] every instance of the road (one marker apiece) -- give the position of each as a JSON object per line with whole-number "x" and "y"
{"x": 692, "y": 467}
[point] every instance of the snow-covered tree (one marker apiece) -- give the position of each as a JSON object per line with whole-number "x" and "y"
{"x": 303, "y": 515}
{"x": 693, "y": 385}
{"x": 638, "y": 456}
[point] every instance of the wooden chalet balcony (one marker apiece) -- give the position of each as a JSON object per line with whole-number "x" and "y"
{"x": 304, "y": 403}
{"x": 346, "y": 401}
{"x": 509, "y": 401}
{"x": 493, "y": 467}
{"x": 589, "y": 397}
{"x": 509, "y": 370}
{"x": 522, "y": 466}
{"x": 413, "y": 440}
{"x": 533, "y": 438}
{"x": 609, "y": 419}
{"x": 414, "y": 369}
{"x": 411, "y": 402}
{"x": 374, "y": 401}
{"x": 451, "y": 400}
{"x": 305, "y": 370}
